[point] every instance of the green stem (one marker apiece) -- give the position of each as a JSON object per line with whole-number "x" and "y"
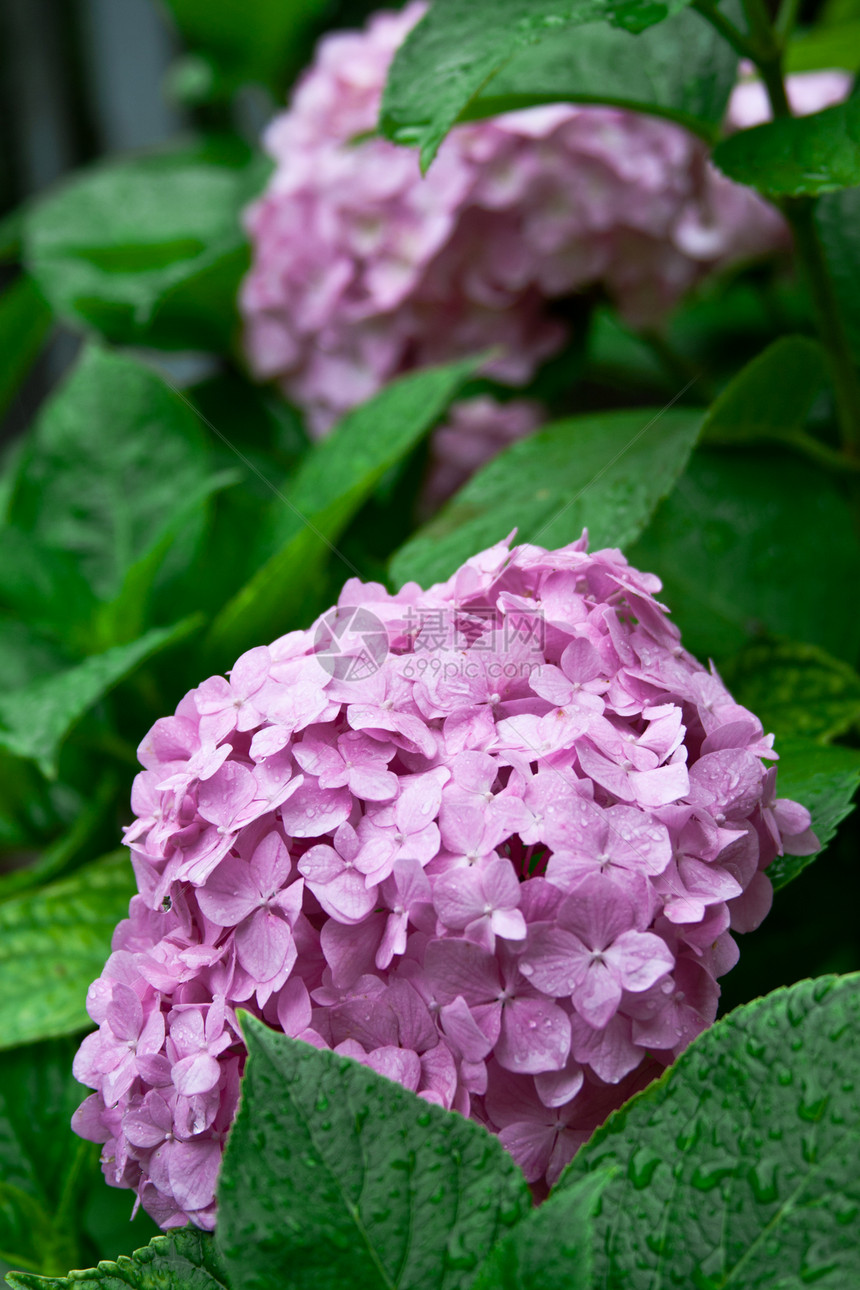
{"x": 730, "y": 33}
{"x": 786, "y": 19}
{"x": 766, "y": 53}
{"x": 800, "y": 214}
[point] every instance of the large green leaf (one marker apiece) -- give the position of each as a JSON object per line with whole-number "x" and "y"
{"x": 50, "y": 1177}
{"x": 53, "y": 944}
{"x": 795, "y": 689}
{"x": 35, "y": 720}
{"x": 25, "y": 655}
{"x": 680, "y": 69}
{"x": 333, "y": 481}
{"x": 148, "y": 250}
{"x": 248, "y": 40}
{"x": 448, "y": 59}
{"x": 770, "y": 398}
{"x": 551, "y": 1248}
{"x": 797, "y": 156}
{"x": 336, "y": 1176}
{"x": 738, "y": 1169}
{"x": 114, "y": 457}
{"x": 826, "y": 47}
{"x": 24, "y": 322}
{"x": 606, "y": 471}
{"x": 824, "y": 780}
{"x": 183, "y": 1260}
{"x": 838, "y": 219}
{"x": 46, "y": 588}
{"x": 752, "y": 543}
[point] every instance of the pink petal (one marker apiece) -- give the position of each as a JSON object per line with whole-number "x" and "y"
{"x": 263, "y": 943}
{"x": 640, "y": 959}
{"x": 535, "y": 1036}
{"x": 193, "y": 1170}
{"x": 196, "y": 1074}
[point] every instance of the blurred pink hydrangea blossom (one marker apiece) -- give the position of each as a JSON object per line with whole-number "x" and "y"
{"x": 490, "y": 839}
{"x": 363, "y": 269}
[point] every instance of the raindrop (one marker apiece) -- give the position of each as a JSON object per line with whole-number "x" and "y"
{"x": 812, "y": 1108}
{"x": 709, "y": 1174}
{"x": 643, "y": 1164}
{"x": 762, "y": 1179}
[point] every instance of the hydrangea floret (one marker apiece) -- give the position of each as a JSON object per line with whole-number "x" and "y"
{"x": 363, "y": 269}
{"x": 490, "y": 839}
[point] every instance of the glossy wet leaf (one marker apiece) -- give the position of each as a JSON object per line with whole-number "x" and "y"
{"x": 797, "y": 156}
{"x": 36, "y": 719}
{"x": 795, "y": 689}
{"x": 53, "y": 944}
{"x": 114, "y": 456}
{"x": 334, "y": 480}
{"x": 45, "y": 587}
{"x": 738, "y": 1168}
{"x": 451, "y": 55}
{"x": 183, "y": 1260}
{"x": 336, "y": 1176}
{"x": 752, "y": 543}
{"x": 606, "y": 471}
{"x": 552, "y": 1247}
{"x": 825, "y": 780}
{"x": 680, "y": 69}
{"x": 148, "y": 250}
{"x": 771, "y": 397}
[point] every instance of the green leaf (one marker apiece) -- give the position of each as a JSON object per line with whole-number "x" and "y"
{"x": 247, "y": 42}
{"x": 825, "y": 47}
{"x": 53, "y": 944}
{"x": 24, "y": 323}
{"x": 795, "y": 689}
{"x": 552, "y": 1247}
{"x": 336, "y": 1176}
{"x": 148, "y": 250}
{"x": 113, "y": 459}
{"x": 183, "y": 1260}
{"x": 75, "y": 844}
{"x": 35, "y": 720}
{"x": 680, "y": 69}
{"x": 25, "y": 655}
{"x": 45, "y": 587}
{"x": 50, "y": 1176}
{"x": 822, "y": 779}
{"x": 739, "y": 1167}
{"x": 605, "y": 471}
{"x": 332, "y": 483}
{"x": 754, "y": 543}
{"x": 770, "y": 399}
{"x": 449, "y": 57}
{"x": 838, "y": 219}
{"x": 797, "y": 156}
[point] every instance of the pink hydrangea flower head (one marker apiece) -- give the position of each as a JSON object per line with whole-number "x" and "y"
{"x": 500, "y": 862}
{"x": 363, "y": 269}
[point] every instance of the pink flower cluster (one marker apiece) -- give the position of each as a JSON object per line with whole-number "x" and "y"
{"x": 488, "y": 839}
{"x": 362, "y": 269}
